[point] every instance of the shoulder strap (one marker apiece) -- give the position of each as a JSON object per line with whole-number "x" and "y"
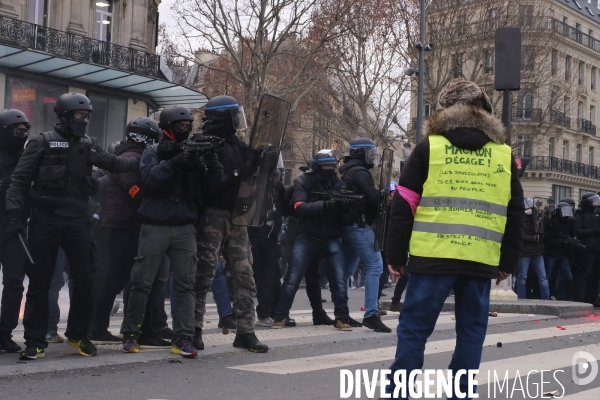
{"x": 51, "y": 136}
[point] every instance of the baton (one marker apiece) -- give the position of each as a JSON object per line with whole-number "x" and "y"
{"x": 26, "y": 249}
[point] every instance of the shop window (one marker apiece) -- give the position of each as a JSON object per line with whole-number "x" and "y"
{"x": 108, "y": 120}
{"x": 104, "y": 20}
{"x": 35, "y": 99}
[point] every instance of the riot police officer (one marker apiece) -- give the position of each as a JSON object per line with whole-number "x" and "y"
{"x": 319, "y": 220}
{"x": 14, "y": 128}
{"x": 586, "y": 226}
{"x": 224, "y": 117}
{"x": 358, "y": 237}
{"x": 169, "y": 210}
{"x": 59, "y": 163}
{"x": 557, "y": 248}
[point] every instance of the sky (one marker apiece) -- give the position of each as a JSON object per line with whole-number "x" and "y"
{"x": 166, "y": 13}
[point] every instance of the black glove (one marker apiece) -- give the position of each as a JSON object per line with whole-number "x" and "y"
{"x": 211, "y": 161}
{"x": 15, "y": 225}
{"x": 330, "y": 206}
{"x": 179, "y": 160}
{"x": 4, "y": 183}
{"x": 166, "y": 148}
{"x": 345, "y": 204}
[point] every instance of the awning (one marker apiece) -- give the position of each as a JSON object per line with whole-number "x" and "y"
{"x": 48, "y": 52}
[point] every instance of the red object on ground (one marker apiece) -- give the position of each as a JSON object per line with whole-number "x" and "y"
{"x": 537, "y": 320}
{"x": 362, "y": 308}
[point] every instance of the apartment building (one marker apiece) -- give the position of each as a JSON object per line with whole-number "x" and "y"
{"x": 102, "y": 48}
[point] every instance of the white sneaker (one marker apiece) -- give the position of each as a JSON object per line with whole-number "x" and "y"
{"x": 268, "y": 322}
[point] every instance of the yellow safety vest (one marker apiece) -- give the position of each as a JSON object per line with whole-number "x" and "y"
{"x": 462, "y": 212}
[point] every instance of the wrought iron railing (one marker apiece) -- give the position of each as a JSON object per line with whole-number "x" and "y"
{"x": 559, "y": 118}
{"x": 540, "y": 163}
{"x": 25, "y": 35}
{"x": 527, "y": 114}
{"x": 583, "y": 125}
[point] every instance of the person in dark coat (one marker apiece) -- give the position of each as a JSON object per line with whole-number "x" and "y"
{"x": 586, "y": 227}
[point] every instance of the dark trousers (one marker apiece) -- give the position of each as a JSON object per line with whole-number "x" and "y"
{"x": 56, "y": 284}
{"x": 400, "y": 286}
{"x": 123, "y": 246}
{"x": 586, "y": 289}
{"x": 312, "y": 277}
{"x": 13, "y": 260}
{"x": 265, "y": 254}
{"x": 47, "y": 233}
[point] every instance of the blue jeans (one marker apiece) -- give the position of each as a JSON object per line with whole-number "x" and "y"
{"x": 220, "y": 293}
{"x": 563, "y": 266}
{"x": 359, "y": 243}
{"x": 425, "y": 296}
{"x": 56, "y": 284}
{"x": 537, "y": 262}
{"x": 304, "y": 251}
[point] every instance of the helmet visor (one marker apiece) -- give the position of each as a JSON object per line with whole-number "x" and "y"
{"x": 565, "y": 210}
{"x": 371, "y": 155}
{"x": 239, "y": 118}
{"x": 21, "y": 133}
{"x": 594, "y": 200}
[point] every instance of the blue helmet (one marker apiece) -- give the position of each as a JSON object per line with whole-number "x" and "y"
{"x": 323, "y": 157}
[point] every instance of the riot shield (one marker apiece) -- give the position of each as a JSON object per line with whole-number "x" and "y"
{"x": 387, "y": 162}
{"x": 261, "y": 160}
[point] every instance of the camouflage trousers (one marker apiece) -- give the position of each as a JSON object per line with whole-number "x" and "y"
{"x": 217, "y": 234}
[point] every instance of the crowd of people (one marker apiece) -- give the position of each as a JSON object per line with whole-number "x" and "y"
{"x": 561, "y": 247}
{"x": 152, "y": 212}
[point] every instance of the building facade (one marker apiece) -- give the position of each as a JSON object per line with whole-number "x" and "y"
{"x": 105, "y": 49}
{"x": 554, "y": 113}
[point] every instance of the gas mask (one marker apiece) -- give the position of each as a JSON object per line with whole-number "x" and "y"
{"x": 181, "y": 131}
{"x": 77, "y": 122}
{"x": 14, "y": 138}
{"x": 326, "y": 173}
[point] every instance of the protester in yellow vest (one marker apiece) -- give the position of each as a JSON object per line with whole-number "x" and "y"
{"x": 459, "y": 214}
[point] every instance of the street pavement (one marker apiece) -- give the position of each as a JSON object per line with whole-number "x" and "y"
{"x": 305, "y": 362}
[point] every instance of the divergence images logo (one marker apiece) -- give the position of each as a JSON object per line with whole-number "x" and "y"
{"x": 581, "y": 368}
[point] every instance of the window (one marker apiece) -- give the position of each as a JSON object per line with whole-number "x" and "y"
{"x": 526, "y": 16}
{"x": 565, "y": 150}
{"x": 550, "y": 19}
{"x": 525, "y": 108}
{"x": 554, "y": 63}
{"x": 36, "y": 100}
{"x": 39, "y": 12}
{"x": 580, "y": 115}
{"x": 488, "y": 61}
{"x": 527, "y": 59}
{"x": 457, "y": 60}
{"x": 565, "y": 26}
{"x": 104, "y": 19}
{"x": 581, "y": 74}
{"x": 578, "y": 33}
{"x": 461, "y": 25}
{"x": 593, "y": 115}
{"x": 578, "y": 153}
{"x": 493, "y": 18}
{"x": 591, "y": 40}
{"x": 593, "y": 78}
{"x": 551, "y": 147}
{"x": 568, "y": 62}
{"x": 553, "y": 101}
{"x": 591, "y": 156}
{"x": 567, "y": 107}
{"x": 523, "y": 146}
{"x": 560, "y": 192}
{"x": 108, "y": 119}
{"x": 428, "y": 110}
{"x": 584, "y": 191}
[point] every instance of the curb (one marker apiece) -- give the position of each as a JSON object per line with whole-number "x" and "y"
{"x": 561, "y": 309}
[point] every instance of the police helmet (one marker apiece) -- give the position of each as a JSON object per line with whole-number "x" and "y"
{"x": 222, "y": 108}
{"x": 70, "y": 102}
{"x": 590, "y": 200}
{"x": 11, "y": 117}
{"x": 568, "y": 200}
{"x": 171, "y": 114}
{"x": 112, "y": 147}
{"x": 563, "y": 209}
{"x": 142, "y": 130}
{"x": 365, "y": 150}
{"x": 322, "y": 158}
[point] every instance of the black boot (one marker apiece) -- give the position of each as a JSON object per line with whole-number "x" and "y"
{"x": 374, "y": 322}
{"x": 321, "y": 318}
{"x": 250, "y": 341}
{"x": 354, "y": 323}
{"x": 228, "y": 322}
{"x": 197, "y": 341}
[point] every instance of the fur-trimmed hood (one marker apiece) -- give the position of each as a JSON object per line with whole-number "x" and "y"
{"x": 465, "y": 116}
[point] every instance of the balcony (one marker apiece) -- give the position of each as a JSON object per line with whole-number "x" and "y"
{"x": 27, "y": 36}
{"x": 564, "y": 166}
{"x": 574, "y": 34}
{"x": 583, "y": 125}
{"x": 560, "y": 119}
{"x": 526, "y": 115}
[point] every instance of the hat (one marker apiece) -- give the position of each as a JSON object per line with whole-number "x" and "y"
{"x": 466, "y": 92}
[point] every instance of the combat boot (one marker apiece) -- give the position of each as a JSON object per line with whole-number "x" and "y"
{"x": 197, "y": 341}
{"x": 321, "y": 318}
{"x": 249, "y": 341}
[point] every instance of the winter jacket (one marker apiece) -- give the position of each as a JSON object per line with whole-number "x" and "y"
{"x": 554, "y": 246}
{"x": 468, "y": 128}
{"x": 124, "y": 192}
{"x": 359, "y": 180}
{"x": 533, "y": 242}
{"x": 586, "y": 227}
{"x": 277, "y": 201}
{"x": 166, "y": 199}
{"x": 314, "y": 222}
{"x": 8, "y": 162}
{"x": 222, "y": 194}
{"x": 61, "y": 171}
